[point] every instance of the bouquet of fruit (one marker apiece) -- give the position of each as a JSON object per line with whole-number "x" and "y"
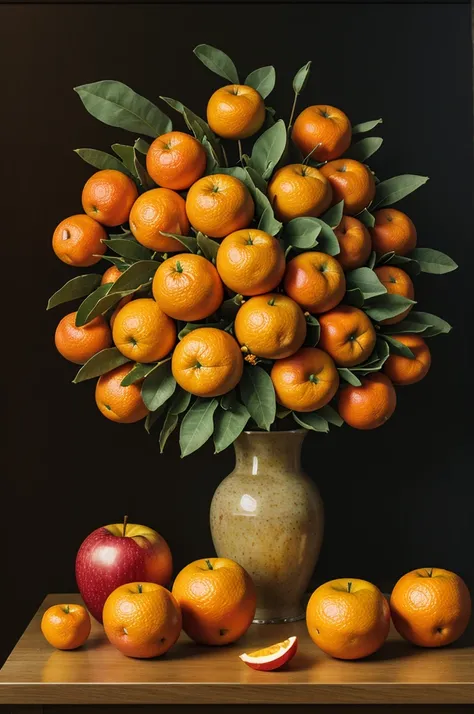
{"x": 242, "y": 294}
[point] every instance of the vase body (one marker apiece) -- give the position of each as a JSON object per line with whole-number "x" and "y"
{"x": 267, "y": 515}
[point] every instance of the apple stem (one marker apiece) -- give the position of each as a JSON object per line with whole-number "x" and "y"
{"x": 209, "y": 565}
{"x": 349, "y": 585}
{"x": 125, "y": 523}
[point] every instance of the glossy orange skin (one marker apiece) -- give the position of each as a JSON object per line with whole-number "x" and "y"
{"x": 120, "y": 404}
{"x": 348, "y": 618}
{"x": 142, "y": 332}
{"x": 397, "y": 282}
{"x": 176, "y": 160}
{"x": 78, "y": 240}
{"x": 207, "y": 362}
{"x": 66, "y": 627}
{"x": 354, "y": 243}
{"x": 111, "y": 275}
{"x": 235, "y": 111}
{"x": 142, "y": 619}
{"x": 218, "y": 603}
{"x": 306, "y": 381}
{"x": 347, "y": 334}
{"x": 402, "y": 370}
{"x": 352, "y": 181}
{"x": 431, "y": 607}
{"x": 108, "y": 197}
{"x": 218, "y": 205}
{"x": 324, "y": 127}
{"x": 272, "y": 326}
{"x": 250, "y": 262}
{"x": 393, "y": 230}
{"x": 299, "y": 190}
{"x": 368, "y": 406}
{"x": 79, "y": 344}
{"x": 315, "y": 281}
{"x": 159, "y": 211}
{"x": 188, "y": 287}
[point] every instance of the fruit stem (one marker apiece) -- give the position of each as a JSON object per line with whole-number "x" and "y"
{"x": 271, "y": 302}
{"x": 66, "y": 609}
{"x": 313, "y": 378}
{"x": 209, "y": 565}
{"x": 179, "y": 267}
{"x": 125, "y": 523}
{"x": 140, "y": 588}
{"x": 292, "y": 112}
{"x": 241, "y": 156}
{"x": 349, "y": 586}
{"x": 430, "y": 573}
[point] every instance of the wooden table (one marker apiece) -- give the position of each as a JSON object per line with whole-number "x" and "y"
{"x": 38, "y": 679}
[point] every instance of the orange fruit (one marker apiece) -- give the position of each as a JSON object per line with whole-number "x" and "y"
{"x": 351, "y": 181}
{"x": 111, "y": 275}
{"x": 370, "y": 405}
{"x": 347, "y": 334}
{"x": 354, "y": 243}
{"x": 250, "y": 262}
{"x": 176, "y": 160}
{"x": 315, "y": 281}
{"x": 142, "y": 332}
{"x": 235, "y": 111}
{"x": 188, "y": 287}
{"x": 299, "y": 190}
{"x": 66, "y": 627}
{"x": 402, "y": 370}
{"x": 108, "y": 197}
{"x": 159, "y": 211}
{"x": 207, "y": 362}
{"x": 305, "y": 381}
{"x": 217, "y": 598}
{"x": 348, "y": 618}
{"x": 272, "y": 326}
{"x": 431, "y": 607}
{"x": 397, "y": 282}
{"x": 78, "y": 240}
{"x": 218, "y": 205}
{"x": 142, "y": 619}
{"x": 120, "y": 404}
{"x": 324, "y": 127}
{"x": 79, "y": 344}
{"x": 393, "y": 230}
{"x": 270, "y": 658}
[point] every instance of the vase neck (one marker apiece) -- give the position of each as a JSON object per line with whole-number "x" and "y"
{"x": 259, "y": 452}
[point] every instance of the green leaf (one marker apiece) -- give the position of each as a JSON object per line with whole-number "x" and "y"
{"x": 211, "y": 162}
{"x": 258, "y": 395}
{"x": 327, "y": 241}
{"x": 197, "y": 125}
{"x": 334, "y": 216}
{"x": 100, "y": 363}
{"x": 207, "y": 246}
{"x": 354, "y": 297}
{"x": 135, "y": 276}
{"x": 349, "y": 376}
{"x": 405, "y": 327}
{"x": 372, "y": 260}
{"x": 268, "y": 149}
{"x": 180, "y": 401}
{"x": 376, "y": 360}
{"x": 142, "y": 146}
{"x": 364, "y": 148}
{"x": 101, "y": 306}
{"x": 281, "y": 412}
{"x": 366, "y": 218}
{"x": 433, "y": 261}
{"x": 90, "y": 302}
{"x": 267, "y": 221}
{"x": 158, "y": 386}
{"x": 302, "y": 233}
{"x": 191, "y": 326}
{"x": 170, "y": 424}
{"x": 143, "y": 176}
{"x": 230, "y": 308}
{"x": 367, "y": 281}
{"x": 197, "y": 425}
{"x": 218, "y": 62}
{"x": 394, "y": 189}
{"x": 387, "y": 306}
{"x": 435, "y": 325}
{"x": 138, "y": 371}
{"x": 115, "y": 104}
{"x": 153, "y": 417}
{"x": 366, "y": 126}
{"x": 262, "y": 80}
{"x": 128, "y": 248}
{"x": 228, "y": 400}
{"x": 397, "y": 347}
{"x": 189, "y": 242}
{"x": 101, "y": 160}
{"x": 331, "y": 415}
{"x": 256, "y": 180}
{"x": 300, "y": 78}
{"x": 119, "y": 263}
{"x": 76, "y": 288}
{"x": 313, "y": 331}
{"x": 312, "y": 421}
{"x": 127, "y": 154}
{"x": 412, "y": 267}
{"x": 229, "y": 424}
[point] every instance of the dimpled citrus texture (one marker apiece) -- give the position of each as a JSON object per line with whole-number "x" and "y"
{"x": 348, "y": 618}
{"x": 159, "y": 211}
{"x": 430, "y": 607}
{"x": 120, "y": 404}
{"x": 176, "y": 160}
{"x": 217, "y": 603}
{"x": 272, "y": 326}
{"x": 315, "y": 281}
{"x": 351, "y": 182}
{"x": 218, "y": 205}
{"x": 323, "y": 131}
{"x": 354, "y": 243}
{"x": 66, "y": 627}
{"x": 142, "y": 332}
{"x": 111, "y": 275}
{"x": 397, "y": 282}
{"x": 305, "y": 381}
{"x": 188, "y": 287}
{"x": 250, "y": 262}
{"x": 78, "y": 240}
{"x": 79, "y": 344}
{"x": 299, "y": 190}
{"x": 108, "y": 196}
{"x": 403, "y": 370}
{"x": 207, "y": 362}
{"x": 347, "y": 334}
{"x": 142, "y": 619}
{"x": 370, "y": 405}
{"x": 393, "y": 230}
{"x": 235, "y": 111}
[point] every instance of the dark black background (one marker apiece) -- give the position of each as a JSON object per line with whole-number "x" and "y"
{"x": 396, "y": 498}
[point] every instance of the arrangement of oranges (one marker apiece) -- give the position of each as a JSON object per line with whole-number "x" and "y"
{"x": 241, "y": 294}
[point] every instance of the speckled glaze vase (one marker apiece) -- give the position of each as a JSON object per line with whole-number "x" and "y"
{"x": 268, "y": 516}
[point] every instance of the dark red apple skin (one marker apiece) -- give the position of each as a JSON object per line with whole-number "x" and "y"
{"x": 105, "y": 561}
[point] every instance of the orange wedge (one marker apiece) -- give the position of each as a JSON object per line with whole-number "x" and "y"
{"x": 272, "y": 657}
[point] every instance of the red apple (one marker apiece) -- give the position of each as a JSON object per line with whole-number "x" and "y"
{"x": 118, "y": 554}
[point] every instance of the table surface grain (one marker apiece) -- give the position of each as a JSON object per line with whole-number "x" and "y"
{"x": 97, "y": 673}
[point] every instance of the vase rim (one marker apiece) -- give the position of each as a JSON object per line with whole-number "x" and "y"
{"x": 285, "y": 431}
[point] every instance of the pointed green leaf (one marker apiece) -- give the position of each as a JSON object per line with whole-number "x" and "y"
{"x": 218, "y": 62}
{"x": 197, "y": 125}
{"x": 334, "y": 216}
{"x": 189, "y": 242}
{"x": 281, "y": 412}
{"x": 268, "y": 149}
{"x": 435, "y": 325}
{"x": 398, "y": 348}
{"x": 101, "y": 160}
{"x": 128, "y": 248}
{"x": 258, "y": 395}
{"x": 142, "y": 146}
{"x": 268, "y": 223}
{"x": 405, "y": 327}
{"x": 100, "y": 363}
{"x": 300, "y": 78}
{"x": 327, "y": 241}
{"x": 364, "y": 148}
{"x": 139, "y": 371}
{"x": 302, "y": 233}
{"x": 197, "y": 425}
{"x": 433, "y": 261}
{"x": 262, "y": 80}
{"x": 119, "y": 263}
{"x": 376, "y": 360}
{"x": 387, "y": 306}
{"x": 126, "y": 153}
{"x": 412, "y": 267}
{"x": 256, "y": 180}
{"x": 158, "y": 386}
{"x": 78, "y": 287}
{"x": 312, "y": 421}
{"x": 212, "y": 163}
{"x": 366, "y": 218}
{"x": 228, "y": 400}
{"x": 142, "y": 174}
{"x": 170, "y": 424}
{"x": 101, "y": 306}
{"x": 207, "y": 246}
{"x": 153, "y": 417}
{"x": 372, "y": 260}
{"x": 366, "y": 126}
{"x": 367, "y": 281}
{"x": 180, "y": 401}
{"x": 90, "y": 302}
{"x": 331, "y": 415}
{"x": 394, "y": 189}
{"x": 229, "y": 424}
{"x": 354, "y": 297}
{"x": 135, "y": 276}
{"x": 349, "y": 376}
